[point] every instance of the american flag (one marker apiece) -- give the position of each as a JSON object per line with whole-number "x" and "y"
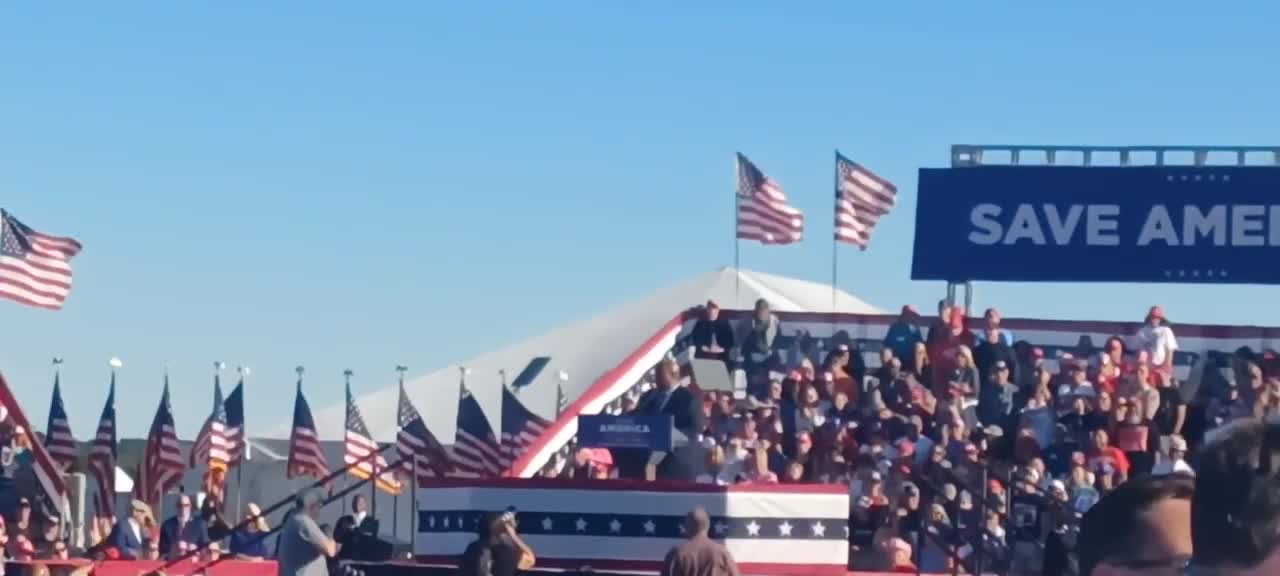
{"x": 162, "y": 465}
{"x": 305, "y": 456}
{"x": 763, "y": 212}
{"x": 359, "y": 445}
{"x": 35, "y": 268}
{"x": 415, "y": 441}
{"x": 102, "y": 457}
{"x": 234, "y": 409}
{"x": 520, "y": 429}
{"x": 861, "y": 199}
{"x": 787, "y": 529}
{"x": 212, "y": 449}
{"x": 13, "y": 421}
{"x": 476, "y": 452}
{"x": 57, "y": 438}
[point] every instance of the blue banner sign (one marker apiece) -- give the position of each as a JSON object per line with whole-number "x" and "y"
{"x": 605, "y": 431}
{"x": 1190, "y": 224}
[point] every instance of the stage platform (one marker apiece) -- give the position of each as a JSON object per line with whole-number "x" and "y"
{"x": 268, "y": 568}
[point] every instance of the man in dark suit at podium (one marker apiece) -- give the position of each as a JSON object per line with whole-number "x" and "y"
{"x": 686, "y": 462}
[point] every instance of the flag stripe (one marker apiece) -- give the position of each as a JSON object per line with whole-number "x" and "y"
{"x": 763, "y": 213}
{"x": 46, "y": 471}
{"x": 162, "y": 459}
{"x": 476, "y": 450}
{"x": 305, "y": 455}
{"x": 35, "y": 268}
{"x": 359, "y": 445}
{"x": 102, "y": 456}
{"x": 862, "y": 198}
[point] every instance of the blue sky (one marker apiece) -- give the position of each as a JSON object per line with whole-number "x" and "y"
{"x": 346, "y": 185}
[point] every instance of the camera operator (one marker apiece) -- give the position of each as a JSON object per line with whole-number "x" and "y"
{"x": 497, "y": 550}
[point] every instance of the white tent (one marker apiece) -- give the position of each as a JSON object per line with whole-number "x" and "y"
{"x": 585, "y": 350}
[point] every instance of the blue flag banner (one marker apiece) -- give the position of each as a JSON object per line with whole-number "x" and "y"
{"x": 1181, "y": 224}
{"x": 605, "y": 431}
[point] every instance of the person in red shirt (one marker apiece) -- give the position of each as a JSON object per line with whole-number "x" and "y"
{"x": 944, "y": 349}
{"x": 1104, "y": 453}
{"x": 899, "y": 552}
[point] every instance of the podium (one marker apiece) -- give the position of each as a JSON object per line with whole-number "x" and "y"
{"x": 640, "y": 440}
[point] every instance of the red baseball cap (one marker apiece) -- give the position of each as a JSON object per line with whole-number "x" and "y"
{"x": 906, "y": 448}
{"x": 1037, "y": 352}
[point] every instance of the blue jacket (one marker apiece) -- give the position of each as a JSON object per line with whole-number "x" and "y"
{"x": 194, "y": 532}
{"x": 902, "y": 339}
{"x": 123, "y": 539}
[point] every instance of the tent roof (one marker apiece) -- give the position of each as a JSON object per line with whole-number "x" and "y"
{"x": 585, "y": 350}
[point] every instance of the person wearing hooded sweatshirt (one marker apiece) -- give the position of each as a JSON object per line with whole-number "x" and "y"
{"x": 904, "y": 334}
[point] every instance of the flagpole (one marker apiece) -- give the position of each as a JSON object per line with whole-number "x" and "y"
{"x": 835, "y": 252}
{"x": 244, "y": 442}
{"x": 373, "y": 464}
{"x": 395, "y": 512}
{"x": 413, "y": 502}
{"x": 63, "y": 511}
{"x": 737, "y": 242}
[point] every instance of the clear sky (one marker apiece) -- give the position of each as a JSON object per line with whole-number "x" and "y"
{"x": 359, "y": 185}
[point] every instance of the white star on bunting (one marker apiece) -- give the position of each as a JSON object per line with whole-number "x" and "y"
{"x": 753, "y": 529}
{"x": 784, "y": 528}
{"x": 546, "y": 524}
{"x": 649, "y": 526}
{"x": 615, "y": 526}
{"x": 819, "y": 529}
{"x": 721, "y": 527}
{"x": 581, "y": 525}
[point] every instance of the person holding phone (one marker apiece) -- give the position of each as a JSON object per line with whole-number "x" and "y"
{"x": 497, "y": 550}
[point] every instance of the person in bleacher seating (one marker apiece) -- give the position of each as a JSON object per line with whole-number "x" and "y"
{"x": 992, "y": 348}
{"x": 756, "y": 339}
{"x": 938, "y": 326}
{"x": 1173, "y": 460}
{"x": 1156, "y": 338}
{"x": 712, "y": 335}
{"x": 904, "y": 334}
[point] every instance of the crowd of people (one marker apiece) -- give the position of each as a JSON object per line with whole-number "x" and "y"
{"x": 960, "y": 443}
{"x": 302, "y": 546}
{"x": 201, "y": 534}
{"x": 963, "y": 447}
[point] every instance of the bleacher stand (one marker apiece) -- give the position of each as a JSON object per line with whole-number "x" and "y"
{"x": 958, "y": 440}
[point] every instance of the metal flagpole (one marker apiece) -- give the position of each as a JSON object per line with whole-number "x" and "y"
{"x": 413, "y": 503}
{"x": 835, "y": 245}
{"x": 737, "y": 242}
{"x": 395, "y": 512}
{"x": 244, "y": 442}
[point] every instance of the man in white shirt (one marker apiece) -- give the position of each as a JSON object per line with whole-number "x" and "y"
{"x": 128, "y": 535}
{"x": 1175, "y": 461}
{"x": 1157, "y": 340}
